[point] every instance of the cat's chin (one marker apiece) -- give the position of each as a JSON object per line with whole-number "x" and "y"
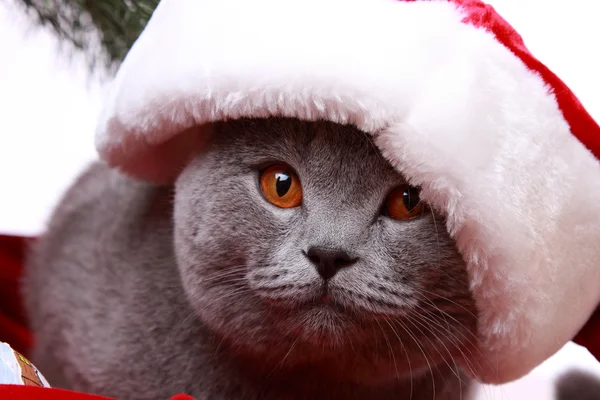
{"x": 320, "y": 322}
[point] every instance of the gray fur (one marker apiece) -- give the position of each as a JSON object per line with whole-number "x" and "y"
{"x": 140, "y": 291}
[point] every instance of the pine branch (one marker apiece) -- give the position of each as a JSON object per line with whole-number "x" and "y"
{"x": 104, "y": 30}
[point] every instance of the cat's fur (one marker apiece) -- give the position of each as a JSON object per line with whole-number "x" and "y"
{"x": 140, "y": 292}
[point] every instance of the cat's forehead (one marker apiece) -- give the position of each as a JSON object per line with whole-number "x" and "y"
{"x": 311, "y": 145}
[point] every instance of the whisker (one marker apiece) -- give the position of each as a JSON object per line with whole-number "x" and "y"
{"x": 191, "y": 314}
{"x": 459, "y": 323}
{"x": 233, "y": 293}
{"x": 227, "y": 272}
{"x": 437, "y": 295}
{"x": 227, "y": 281}
{"x": 408, "y": 331}
{"x": 407, "y": 358}
{"x": 437, "y": 239}
{"x": 453, "y": 339}
{"x": 281, "y": 364}
{"x": 462, "y": 332}
{"x": 430, "y": 330}
{"x": 411, "y": 321}
{"x": 391, "y": 351}
{"x": 455, "y": 342}
{"x": 265, "y": 319}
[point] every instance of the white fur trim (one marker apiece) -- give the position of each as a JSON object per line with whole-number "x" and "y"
{"x": 457, "y": 113}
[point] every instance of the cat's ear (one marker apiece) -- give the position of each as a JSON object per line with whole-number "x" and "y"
{"x": 498, "y": 144}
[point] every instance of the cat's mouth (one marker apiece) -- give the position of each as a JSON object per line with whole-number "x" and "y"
{"x": 323, "y": 297}
{"x": 320, "y": 299}
{"x": 331, "y": 301}
{"x": 325, "y": 300}
{"x": 334, "y": 302}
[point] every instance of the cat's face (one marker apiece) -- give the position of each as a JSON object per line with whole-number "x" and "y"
{"x": 289, "y": 244}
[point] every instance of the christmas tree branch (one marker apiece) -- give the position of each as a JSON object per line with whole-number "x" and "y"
{"x": 112, "y": 25}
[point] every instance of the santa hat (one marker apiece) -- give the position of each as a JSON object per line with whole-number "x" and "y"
{"x": 498, "y": 144}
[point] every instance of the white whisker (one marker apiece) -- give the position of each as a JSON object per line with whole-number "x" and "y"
{"x": 407, "y": 358}
{"x": 408, "y": 331}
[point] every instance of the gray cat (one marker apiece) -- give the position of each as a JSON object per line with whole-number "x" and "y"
{"x": 289, "y": 261}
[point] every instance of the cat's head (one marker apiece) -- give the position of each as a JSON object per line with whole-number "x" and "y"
{"x": 300, "y": 239}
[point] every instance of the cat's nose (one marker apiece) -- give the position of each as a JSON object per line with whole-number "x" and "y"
{"x": 328, "y": 261}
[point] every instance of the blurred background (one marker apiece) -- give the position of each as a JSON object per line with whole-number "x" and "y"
{"x": 59, "y": 55}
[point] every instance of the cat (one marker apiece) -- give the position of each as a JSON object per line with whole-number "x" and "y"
{"x": 288, "y": 261}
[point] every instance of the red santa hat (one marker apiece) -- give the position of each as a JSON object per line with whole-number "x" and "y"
{"x": 452, "y": 97}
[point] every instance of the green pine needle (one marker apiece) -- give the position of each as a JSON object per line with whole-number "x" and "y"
{"x": 116, "y": 24}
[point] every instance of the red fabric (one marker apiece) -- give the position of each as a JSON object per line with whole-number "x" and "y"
{"x": 589, "y": 336}
{"x": 581, "y": 122}
{"x": 13, "y": 325}
{"x": 18, "y": 392}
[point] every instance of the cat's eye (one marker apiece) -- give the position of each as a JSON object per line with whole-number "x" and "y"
{"x": 404, "y": 203}
{"x": 281, "y": 186}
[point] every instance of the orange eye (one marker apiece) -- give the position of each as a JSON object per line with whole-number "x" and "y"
{"x": 404, "y": 203}
{"x": 281, "y": 186}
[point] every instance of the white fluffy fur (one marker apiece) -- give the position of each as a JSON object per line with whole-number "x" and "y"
{"x": 449, "y": 106}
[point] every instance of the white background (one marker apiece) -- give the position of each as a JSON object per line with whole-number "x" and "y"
{"x": 49, "y": 106}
